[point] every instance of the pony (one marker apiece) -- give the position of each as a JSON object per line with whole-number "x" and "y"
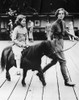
{"x": 31, "y": 59}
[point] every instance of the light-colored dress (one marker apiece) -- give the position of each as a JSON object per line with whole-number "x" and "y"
{"x": 19, "y": 34}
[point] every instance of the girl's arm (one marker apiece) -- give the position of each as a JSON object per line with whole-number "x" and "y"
{"x": 14, "y": 37}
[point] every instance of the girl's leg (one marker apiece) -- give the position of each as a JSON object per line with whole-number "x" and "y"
{"x": 18, "y": 62}
{"x": 64, "y": 70}
{"x": 17, "y": 55}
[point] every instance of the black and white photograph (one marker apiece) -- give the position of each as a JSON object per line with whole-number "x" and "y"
{"x": 39, "y": 50}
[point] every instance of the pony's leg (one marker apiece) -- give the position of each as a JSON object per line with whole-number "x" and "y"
{"x": 41, "y": 77}
{"x": 53, "y": 62}
{"x": 24, "y": 75}
{"x": 7, "y": 73}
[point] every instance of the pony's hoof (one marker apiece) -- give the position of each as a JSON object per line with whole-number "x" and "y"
{"x": 8, "y": 78}
{"x": 23, "y": 84}
{"x": 44, "y": 83}
{"x": 41, "y": 79}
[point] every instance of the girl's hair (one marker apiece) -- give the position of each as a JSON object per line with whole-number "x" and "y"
{"x": 19, "y": 19}
{"x": 61, "y": 9}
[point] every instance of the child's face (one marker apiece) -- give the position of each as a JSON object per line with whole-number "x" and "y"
{"x": 61, "y": 14}
{"x": 23, "y": 22}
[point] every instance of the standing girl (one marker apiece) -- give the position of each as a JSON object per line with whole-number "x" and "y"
{"x": 58, "y": 30}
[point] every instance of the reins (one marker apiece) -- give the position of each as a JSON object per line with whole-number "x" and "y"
{"x": 68, "y": 48}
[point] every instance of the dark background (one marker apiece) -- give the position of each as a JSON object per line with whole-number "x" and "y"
{"x": 40, "y": 6}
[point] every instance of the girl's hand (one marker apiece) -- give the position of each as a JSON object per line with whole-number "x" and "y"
{"x": 23, "y": 45}
{"x": 76, "y": 38}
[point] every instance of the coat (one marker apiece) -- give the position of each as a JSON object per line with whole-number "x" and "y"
{"x": 57, "y": 34}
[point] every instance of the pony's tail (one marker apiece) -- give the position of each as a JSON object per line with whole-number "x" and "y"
{"x": 2, "y": 61}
